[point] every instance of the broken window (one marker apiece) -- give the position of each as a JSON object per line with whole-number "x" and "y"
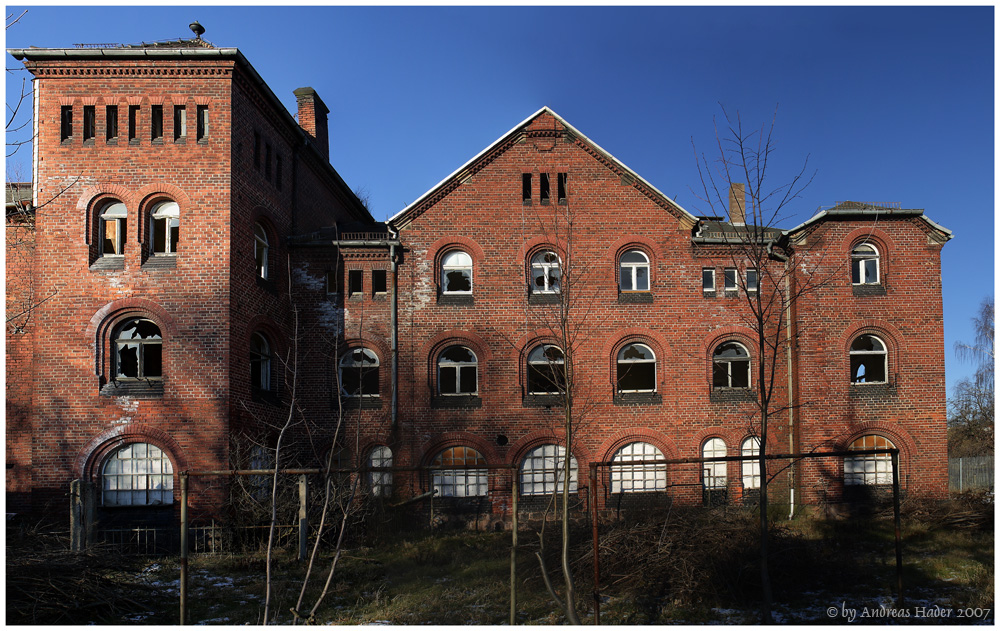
{"x": 138, "y": 350}
{"x": 89, "y": 123}
{"x": 380, "y": 482}
{"x": 731, "y": 366}
{"x": 543, "y": 471}
{"x": 202, "y": 114}
{"x": 870, "y": 468}
{"x": 545, "y": 273}
{"x": 546, "y": 370}
{"x": 752, "y": 280}
{"x": 379, "y": 281}
{"x": 751, "y": 468}
{"x": 713, "y": 473}
{"x": 156, "y": 123}
{"x": 458, "y": 372}
{"x": 66, "y": 122}
{"x": 561, "y": 187}
{"x": 868, "y": 360}
{"x": 261, "y": 249}
{"x": 359, "y": 373}
{"x": 708, "y": 279}
{"x": 526, "y": 189}
{"x": 636, "y": 369}
{"x": 133, "y": 123}
{"x": 638, "y": 478}
{"x": 180, "y": 122}
{"x": 113, "y": 222}
{"x": 543, "y": 188}
{"x": 111, "y": 122}
{"x": 456, "y": 273}
{"x": 331, "y": 283}
{"x": 164, "y": 228}
{"x": 633, "y": 271}
{"x": 864, "y": 265}
{"x": 139, "y": 474}
{"x": 730, "y": 278}
{"x": 460, "y": 482}
{"x": 355, "y": 282}
{"x": 260, "y": 363}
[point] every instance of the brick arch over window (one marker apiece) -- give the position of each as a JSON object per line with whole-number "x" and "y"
{"x": 104, "y": 321}
{"x": 879, "y": 238}
{"x": 276, "y": 342}
{"x": 635, "y": 335}
{"x": 429, "y": 451}
{"x": 262, "y": 216}
{"x": 152, "y": 194}
{"x": 437, "y": 251}
{"x": 886, "y": 332}
{"x": 896, "y": 435}
{"x": 631, "y": 242}
{"x": 381, "y": 351}
{"x": 436, "y": 345}
{"x": 619, "y": 439}
{"x": 92, "y": 199}
{"x": 741, "y": 335}
{"x": 519, "y": 448}
{"x": 90, "y": 459}
{"x": 535, "y": 245}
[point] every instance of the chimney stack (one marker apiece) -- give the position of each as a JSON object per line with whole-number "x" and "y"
{"x": 737, "y": 205}
{"x": 313, "y": 118}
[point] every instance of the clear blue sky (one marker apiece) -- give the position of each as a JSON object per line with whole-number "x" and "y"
{"x": 888, "y": 104}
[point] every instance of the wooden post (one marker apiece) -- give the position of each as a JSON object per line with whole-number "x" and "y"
{"x": 184, "y": 546}
{"x": 899, "y": 535}
{"x": 597, "y": 556}
{"x": 89, "y": 495}
{"x": 513, "y": 549}
{"x": 303, "y": 518}
{"x": 76, "y": 530}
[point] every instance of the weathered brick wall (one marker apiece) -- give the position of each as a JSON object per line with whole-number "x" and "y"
{"x": 20, "y": 250}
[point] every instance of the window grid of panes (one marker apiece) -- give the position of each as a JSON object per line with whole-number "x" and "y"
{"x": 460, "y": 482}
{"x": 638, "y": 478}
{"x": 872, "y": 468}
{"x": 714, "y": 473}
{"x": 380, "y": 481}
{"x": 543, "y": 471}
{"x": 751, "y": 468}
{"x": 139, "y": 474}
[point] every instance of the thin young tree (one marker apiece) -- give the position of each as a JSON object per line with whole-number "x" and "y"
{"x": 971, "y": 418}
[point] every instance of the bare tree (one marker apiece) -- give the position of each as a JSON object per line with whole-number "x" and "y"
{"x": 971, "y": 418}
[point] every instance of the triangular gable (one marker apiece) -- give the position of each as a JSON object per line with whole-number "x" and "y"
{"x": 852, "y": 210}
{"x": 487, "y": 155}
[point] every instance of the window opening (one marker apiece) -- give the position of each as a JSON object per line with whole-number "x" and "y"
{"x": 355, "y": 282}
{"x": 526, "y": 189}
{"x": 636, "y": 369}
{"x": 714, "y": 473}
{"x": 456, "y": 273}
{"x": 543, "y": 188}
{"x": 460, "y": 482}
{"x": 707, "y": 279}
{"x": 156, "y": 124}
{"x": 66, "y": 122}
{"x": 633, "y": 271}
{"x": 546, "y": 370}
{"x": 277, "y": 172}
{"x": 139, "y": 474}
{"x": 868, "y": 360}
{"x": 731, "y": 366}
{"x": 752, "y": 281}
{"x": 331, "y": 283}
{"x": 872, "y": 468}
{"x": 111, "y": 122}
{"x": 133, "y": 123}
{"x": 260, "y": 362}
{"x": 267, "y": 161}
{"x": 751, "y": 468}
{"x": 261, "y": 248}
{"x": 113, "y": 224}
{"x": 545, "y": 273}
{"x": 380, "y": 482}
{"x": 165, "y": 228}
{"x": 180, "y": 122}
{"x": 561, "y": 187}
{"x": 379, "y": 281}
{"x": 138, "y": 350}
{"x": 730, "y": 278}
{"x": 202, "y": 114}
{"x": 359, "y": 373}
{"x": 89, "y": 123}
{"x": 458, "y": 372}
{"x": 864, "y": 265}
{"x": 638, "y": 478}
{"x": 256, "y": 150}
{"x": 543, "y": 471}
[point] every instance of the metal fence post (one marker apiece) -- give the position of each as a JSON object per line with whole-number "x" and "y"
{"x": 513, "y": 550}
{"x": 597, "y": 556}
{"x": 303, "y": 518}
{"x": 899, "y": 536}
{"x": 76, "y": 537}
{"x": 184, "y": 546}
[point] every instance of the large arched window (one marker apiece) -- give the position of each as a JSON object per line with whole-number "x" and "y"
{"x": 456, "y": 273}
{"x": 359, "y": 373}
{"x": 261, "y": 250}
{"x": 139, "y": 474}
{"x": 713, "y": 473}
{"x": 731, "y": 366}
{"x": 637, "y": 478}
{"x": 633, "y": 271}
{"x": 865, "y": 265}
{"x": 164, "y": 228}
{"x": 751, "y": 468}
{"x": 380, "y": 482}
{"x": 545, "y": 273}
{"x": 543, "y": 471}
{"x": 636, "y": 369}
{"x": 546, "y": 370}
{"x": 870, "y": 468}
{"x": 458, "y": 370}
{"x": 868, "y": 360}
{"x": 113, "y": 228}
{"x": 260, "y": 362}
{"x": 137, "y": 350}
{"x": 460, "y": 482}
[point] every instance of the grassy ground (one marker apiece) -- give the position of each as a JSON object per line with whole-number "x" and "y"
{"x": 696, "y": 566}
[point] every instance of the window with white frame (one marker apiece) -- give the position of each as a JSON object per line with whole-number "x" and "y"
{"x": 113, "y": 226}
{"x": 380, "y": 482}
{"x": 870, "y": 468}
{"x": 545, "y": 273}
{"x": 713, "y": 473}
{"x": 359, "y": 373}
{"x": 546, "y": 370}
{"x": 460, "y": 482}
{"x": 865, "y": 265}
{"x": 730, "y": 366}
{"x": 139, "y": 474}
{"x": 708, "y": 279}
{"x": 456, "y": 273}
{"x": 633, "y": 271}
{"x": 636, "y": 369}
{"x": 751, "y": 468}
{"x": 164, "y": 228}
{"x": 261, "y": 249}
{"x": 637, "y": 478}
{"x": 730, "y": 275}
{"x": 260, "y": 362}
{"x": 543, "y": 471}
{"x": 752, "y": 280}
{"x": 868, "y": 360}
{"x": 458, "y": 372}
{"x": 138, "y": 350}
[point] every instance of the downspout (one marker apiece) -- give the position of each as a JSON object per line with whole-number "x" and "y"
{"x": 788, "y": 359}
{"x": 394, "y": 323}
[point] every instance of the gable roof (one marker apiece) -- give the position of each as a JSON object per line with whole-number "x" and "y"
{"x": 853, "y": 210}
{"x": 482, "y": 158}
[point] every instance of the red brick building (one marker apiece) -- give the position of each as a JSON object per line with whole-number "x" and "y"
{"x": 173, "y": 192}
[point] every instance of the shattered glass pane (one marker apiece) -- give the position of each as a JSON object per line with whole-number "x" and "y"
{"x": 128, "y": 360}
{"x": 447, "y": 380}
{"x": 467, "y": 380}
{"x": 867, "y": 343}
{"x": 458, "y": 280}
{"x": 638, "y": 377}
{"x": 458, "y": 354}
{"x": 152, "y": 360}
{"x": 636, "y": 352}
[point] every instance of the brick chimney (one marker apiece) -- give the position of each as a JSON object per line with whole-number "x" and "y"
{"x": 313, "y": 118}
{"x": 737, "y": 205}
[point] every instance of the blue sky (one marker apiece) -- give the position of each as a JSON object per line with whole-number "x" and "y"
{"x": 890, "y": 104}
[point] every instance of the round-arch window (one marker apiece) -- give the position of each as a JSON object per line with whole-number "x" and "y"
{"x": 714, "y": 473}
{"x": 636, "y": 369}
{"x": 460, "y": 482}
{"x": 114, "y": 220}
{"x": 865, "y": 265}
{"x": 260, "y": 362}
{"x": 731, "y": 366}
{"x": 543, "y": 471}
{"x": 546, "y": 370}
{"x": 139, "y": 474}
{"x": 359, "y": 376}
{"x": 380, "y": 482}
{"x": 164, "y": 227}
{"x": 138, "y": 350}
{"x": 637, "y": 478}
{"x": 457, "y": 372}
{"x": 261, "y": 247}
{"x": 868, "y": 360}
{"x": 633, "y": 271}
{"x": 545, "y": 273}
{"x": 456, "y": 273}
{"x": 869, "y": 468}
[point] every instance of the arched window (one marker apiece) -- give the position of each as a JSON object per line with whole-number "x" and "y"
{"x": 636, "y": 369}
{"x": 870, "y": 468}
{"x": 139, "y": 474}
{"x": 868, "y": 360}
{"x": 751, "y": 468}
{"x": 380, "y": 482}
{"x": 113, "y": 227}
{"x": 261, "y": 249}
{"x": 545, "y": 273}
{"x": 638, "y": 478}
{"x": 456, "y": 273}
{"x": 546, "y": 370}
{"x": 260, "y": 362}
{"x": 543, "y": 471}
{"x": 713, "y": 473}
{"x": 138, "y": 350}
{"x": 864, "y": 265}
{"x": 460, "y": 482}
{"x": 164, "y": 228}
{"x": 359, "y": 373}
{"x": 731, "y": 366}
{"x": 633, "y": 271}
{"x": 458, "y": 370}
